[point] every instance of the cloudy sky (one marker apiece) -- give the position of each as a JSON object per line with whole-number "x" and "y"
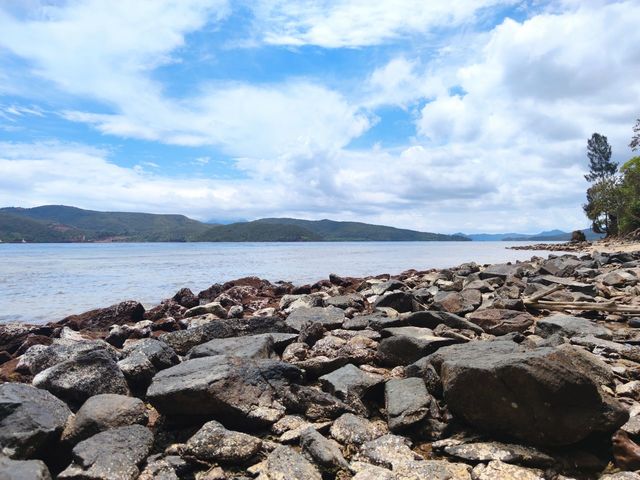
{"x": 440, "y": 115}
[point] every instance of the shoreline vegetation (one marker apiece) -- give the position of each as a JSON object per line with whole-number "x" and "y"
{"x": 347, "y": 378}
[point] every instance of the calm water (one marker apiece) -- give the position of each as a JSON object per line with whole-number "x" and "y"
{"x": 45, "y": 282}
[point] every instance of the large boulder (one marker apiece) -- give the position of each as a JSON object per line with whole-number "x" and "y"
{"x": 328, "y": 317}
{"x": 407, "y": 402}
{"x": 31, "y": 420}
{"x": 349, "y": 382}
{"x": 563, "y": 266}
{"x": 500, "y": 321}
{"x": 40, "y": 357}
{"x": 102, "y": 412}
{"x": 143, "y": 359}
{"x": 84, "y": 376}
{"x": 458, "y": 303}
{"x": 569, "y": 327}
{"x": 404, "y": 348}
{"x": 23, "y": 469}
{"x": 249, "y": 346}
{"x": 113, "y": 454}
{"x": 239, "y": 391}
{"x": 551, "y": 396}
{"x": 102, "y": 318}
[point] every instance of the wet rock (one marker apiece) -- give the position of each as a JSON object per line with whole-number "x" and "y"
{"x": 500, "y": 322}
{"x": 476, "y": 452}
{"x": 102, "y": 412}
{"x": 102, "y": 318}
{"x": 352, "y": 429}
{"x": 349, "y": 382}
{"x": 110, "y": 455}
{"x": 249, "y": 346}
{"x": 458, "y": 303}
{"x": 431, "y": 319}
{"x": 504, "y": 471}
{"x": 546, "y": 396}
{"x": 214, "y": 443}
{"x": 23, "y": 469}
{"x": 84, "y": 376}
{"x": 403, "y": 349}
{"x": 399, "y": 301}
{"x": 329, "y": 317}
{"x": 286, "y": 463}
{"x": 387, "y": 451}
{"x": 213, "y": 308}
{"x": 238, "y": 390}
{"x": 569, "y": 327}
{"x": 323, "y": 451}
{"x": 31, "y": 420}
{"x": 143, "y": 359}
{"x": 407, "y": 403}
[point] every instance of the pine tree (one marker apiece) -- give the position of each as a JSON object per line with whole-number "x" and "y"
{"x": 600, "y": 165}
{"x": 603, "y": 196}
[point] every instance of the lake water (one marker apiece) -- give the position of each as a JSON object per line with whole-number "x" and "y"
{"x": 46, "y": 282}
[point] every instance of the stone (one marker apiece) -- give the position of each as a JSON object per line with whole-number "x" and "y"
{"x": 314, "y": 404}
{"x": 502, "y": 271}
{"x": 388, "y": 451}
{"x": 31, "y": 420}
{"x": 626, "y": 452}
{"x": 323, "y": 451}
{"x": 349, "y": 382}
{"x": 214, "y": 443}
{"x": 328, "y": 317}
{"x": 504, "y": 471}
{"x": 476, "y": 452}
{"x": 186, "y": 298}
{"x": 403, "y": 349}
{"x": 407, "y": 403}
{"x": 102, "y": 318}
{"x": 399, "y": 301}
{"x": 228, "y": 388}
{"x": 143, "y": 359}
{"x": 102, "y": 412}
{"x": 563, "y": 266}
{"x": 630, "y": 352}
{"x": 569, "y": 327}
{"x": 84, "y": 376}
{"x": 500, "y": 322}
{"x": 431, "y": 319}
{"x": 40, "y": 357}
{"x": 387, "y": 286}
{"x": 586, "y": 288}
{"x": 632, "y": 427}
{"x": 432, "y": 469}
{"x": 549, "y": 396}
{"x": 458, "y": 303}
{"x": 23, "y": 469}
{"x": 621, "y": 476}
{"x": 350, "y": 429}
{"x": 346, "y": 301}
{"x": 618, "y": 278}
{"x": 213, "y": 308}
{"x": 249, "y": 346}
{"x": 285, "y": 463}
{"x": 366, "y": 471}
{"x": 114, "y": 454}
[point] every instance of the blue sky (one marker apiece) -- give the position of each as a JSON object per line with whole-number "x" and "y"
{"x": 466, "y": 115}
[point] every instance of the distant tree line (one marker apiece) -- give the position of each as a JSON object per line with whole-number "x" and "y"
{"x": 613, "y": 199}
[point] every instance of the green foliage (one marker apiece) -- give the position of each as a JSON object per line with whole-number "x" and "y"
{"x": 599, "y": 153}
{"x": 578, "y": 236}
{"x": 630, "y": 196}
{"x": 635, "y": 140}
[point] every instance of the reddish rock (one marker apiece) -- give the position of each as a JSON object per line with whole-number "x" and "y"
{"x": 168, "y": 308}
{"x": 500, "y": 322}
{"x": 186, "y": 298}
{"x": 625, "y": 451}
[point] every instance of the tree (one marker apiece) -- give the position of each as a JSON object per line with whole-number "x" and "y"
{"x": 635, "y": 140}
{"x": 599, "y": 153}
{"x": 630, "y": 196}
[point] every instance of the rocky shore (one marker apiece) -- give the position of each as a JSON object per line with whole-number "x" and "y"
{"x": 514, "y": 371}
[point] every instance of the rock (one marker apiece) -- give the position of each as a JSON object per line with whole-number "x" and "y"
{"x": 214, "y": 443}
{"x": 501, "y": 271}
{"x": 634, "y": 322}
{"x": 235, "y": 311}
{"x": 314, "y": 404}
{"x": 569, "y": 327}
{"x": 213, "y": 308}
{"x": 632, "y": 427}
{"x": 504, "y": 471}
{"x": 403, "y": 349}
{"x": 424, "y": 370}
{"x": 407, "y": 403}
{"x": 349, "y": 382}
{"x": 40, "y": 357}
{"x": 229, "y": 388}
{"x": 249, "y": 346}
{"x": 329, "y": 317}
{"x": 350, "y": 429}
{"x": 625, "y": 451}
{"x": 110, "y": 455}
{"x": 102, "y": 318}
{"x": 285, "y": 463}
{"x": 290, "y": 427}
{"x": 387, "y": 451}
{"x": 346, "y": 301}
{"x": 617, "y": 278}
{"x": 143, "y": 359}
{"x": 186, "y": 298}
{"x": 387, "y": 286}
{"x": 399, "y": 301}
{"x": 546, "y": 396}
{"x": 366, "y": 471}
{"x": 323, "y": 451}
{"x": 23, "y": 469}
{"x": 431, "y": 319}
{"x": 432, "y": 469}
{"x": 476, "y": 452}
{"x": 84, "y": 376}
{"x": 586, "y": 288}
{"x": 31, "y": 420}
{"x": 102, "y": 412}
{"x": 563, "y": 266}
{"x": 458, "y": 302}
{"x": 630, "y": 352}
{"x": 500, "y": 322}
{"x": 621, "y": 476}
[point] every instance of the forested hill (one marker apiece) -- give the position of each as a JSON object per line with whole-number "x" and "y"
{"x": 58, "y": 223}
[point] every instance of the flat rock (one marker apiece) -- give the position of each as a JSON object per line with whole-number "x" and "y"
{"x": 407, "y": 402}
{"x": 23, "y": 469}
{"x": 586, "y": 288}
{"x": 249, "y": 346}
{"x": 31, "y": 420}
{"x": 431, "y": 319}
{"x": 503, "y": 271}
{"x": 569, "y": 327}
{"x": 40, "y": 357}
{"x": 618, "y": 278}
{"x": 387, "y": 451}
{"x": 214, "y": 443}
{"x": 285, "y": 463}
{"x": 214, "y": 308}
{"x": 504, "y": 471}
{"x": 403, "y": 349}
{"x": 84, "y": 376}
{"x": 458, "y": 303}
{"x": 113, "y": 454}
{"x": 129, "y": 311}
{"x": 432, "y": 469}
{"x": 349, "y": 382}
{"x": 500, "y": 321}
{"x": 350, "y": 429}
{"x": 563, "y": 266}
{"x": 328, "y": 317}
{"x": 102, "y": 412}
{"x": 476, "y": 452}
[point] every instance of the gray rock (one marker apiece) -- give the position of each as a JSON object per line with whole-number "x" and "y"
{"x": 458, "y": 303}
{"x": 500, "y": 322}
{"x": 31, "y": 420}
{"x": 504, "y": 471}
{"x": 328, "y": 317}
{"x": 314, "y": 404}
{"x": 346, "y": 301}
{"x": 214, "y": 443}
{"x": 432, "y": 469}
{"x": 431, "y": 319}
{"x": 399, "y": 301}
{"x": 403, "y": 349}
{"x": 407, "y": 403}
{"x": 501, "y": 271}
{"x": 40, "y": 357}
{"x": 563, "y": 266}
{"x": 23, "y": 469}
{"x": 214, "y": 307}
{"x": 546, "y": 396}
{"x": 285, "y": 463}
{"x": 352, "y": 429}
{"x": 574, "y": 286}
{"x": 102, "y": 412}
{"x": 477, "y": 452}
{"x": 349, "y": 382}
{"x": 388, "y": 451}
{"x": 84, "y": 376}
{"x": 388, "y": 286}
{"x": 249, "y": 346}
{"x": 630, "y": 352}
{"x": 618, "y": 278}
{"x": 110, "y": 455}
{"x": 569, "y": 327}
{"x": 323, "y": 451}
{"x": 145, "y": 358}
{"x": 236, "y": 389}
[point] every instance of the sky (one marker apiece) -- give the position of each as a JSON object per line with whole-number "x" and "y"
{"x": 439, "y": 115}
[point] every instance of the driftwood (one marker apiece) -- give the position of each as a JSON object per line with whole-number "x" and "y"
{"x": 535, "y": 301}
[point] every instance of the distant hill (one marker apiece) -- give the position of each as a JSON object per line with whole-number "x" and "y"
{"x": 548, "y": 236}
{"x": 59, "y": 223}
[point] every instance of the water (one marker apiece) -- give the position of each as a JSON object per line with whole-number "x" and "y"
{"x": 46, "y": 282}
